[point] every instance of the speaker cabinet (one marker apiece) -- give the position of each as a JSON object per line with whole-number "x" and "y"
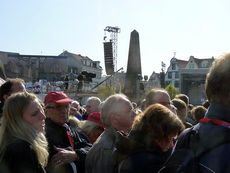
{"x": 108, "y": 56}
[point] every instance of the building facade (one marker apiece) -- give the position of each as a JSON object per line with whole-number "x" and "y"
{"x": 173, "y": 72}
{"x": 77, "y": 63}
{"x": 51, "y": 68}
{"x": 33, "y": 67}
{"x": 153, "y": 82}
{"x": 189, "y": 77}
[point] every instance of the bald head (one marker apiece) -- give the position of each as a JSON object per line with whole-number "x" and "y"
{"x": 117, "y": 112}
{"x": 158, "y": 96}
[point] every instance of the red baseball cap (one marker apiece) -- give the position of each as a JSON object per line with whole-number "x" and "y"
{"x": 96, "y": 117}
{"x": 57, "y": 97}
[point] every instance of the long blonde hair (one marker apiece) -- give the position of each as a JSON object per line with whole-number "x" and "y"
{"x": 14, "y": 127}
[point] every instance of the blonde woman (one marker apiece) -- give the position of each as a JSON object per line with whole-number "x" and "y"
{"x": 23, "y": 146}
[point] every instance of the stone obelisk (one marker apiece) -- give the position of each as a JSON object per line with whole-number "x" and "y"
{"x": 134, "y": 67}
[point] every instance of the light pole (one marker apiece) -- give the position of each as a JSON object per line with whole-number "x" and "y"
{"x": 139, "y": 78}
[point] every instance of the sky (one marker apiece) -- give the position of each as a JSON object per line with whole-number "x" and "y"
{"x": 199, "y": 28}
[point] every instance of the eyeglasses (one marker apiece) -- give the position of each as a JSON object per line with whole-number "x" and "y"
{"x": 58, "y": 107}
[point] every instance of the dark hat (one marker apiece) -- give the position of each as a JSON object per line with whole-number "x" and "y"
{"x": 57, "y": 97}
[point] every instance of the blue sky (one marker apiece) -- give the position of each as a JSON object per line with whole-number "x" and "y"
{"x": 188, "y": 27}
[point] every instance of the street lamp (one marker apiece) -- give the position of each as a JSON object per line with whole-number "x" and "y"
{"x": 139, "y": 78}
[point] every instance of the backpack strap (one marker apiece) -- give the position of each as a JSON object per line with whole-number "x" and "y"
{"x": 182, "y": 154}
{"x": 186, "y": 137}
{"x": 190, "y": 138}
{"x": 191, "y": 144}
{"x": 213, "y": 139}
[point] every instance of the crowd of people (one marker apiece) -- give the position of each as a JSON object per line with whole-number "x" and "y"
{"x": 58, "y": 135}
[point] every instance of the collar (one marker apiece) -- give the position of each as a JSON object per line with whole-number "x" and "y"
{"x": 111, "y": 131}
{"x": 219, "y": 112}
{"x": 49, "y": 122}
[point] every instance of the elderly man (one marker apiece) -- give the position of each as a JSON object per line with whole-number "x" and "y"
{"x": 67, "y": 147}
{"x": 93, "y": 105}
{"x": 161, "y": 96}
{"x": 74, "y": 110}
{"x": 9, "y": 87}
{"x": 117, "y": 114}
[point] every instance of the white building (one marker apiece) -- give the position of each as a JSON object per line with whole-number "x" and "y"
{"x": 173, "y": 72}
{"x": 189, "y": 76}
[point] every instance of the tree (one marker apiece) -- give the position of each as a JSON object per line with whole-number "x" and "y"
{"x": 171, "y": 90}
{"x": 105, "y": 91}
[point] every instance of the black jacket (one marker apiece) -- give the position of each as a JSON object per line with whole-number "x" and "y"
{"x": 56, "y": 136}
{"x": 19, "y": 157}
{"x": 134, "y": 157}
{"x": 217, "y": 159}
{"x": 144, "y": 161}
{"x": 1, "y": 108}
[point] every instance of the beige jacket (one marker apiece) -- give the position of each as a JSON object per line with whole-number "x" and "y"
{"x": 99, "y": 159}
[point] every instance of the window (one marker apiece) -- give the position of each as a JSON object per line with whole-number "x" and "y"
{"x": 170, "y": 75}
{"x": 167, "y": 83}
{"x": 191, "y": 65}
{"x": 173, "y": 66}
{"x": 176, "y": 75}
{"x": 204, "y": 65}
{"x": 177, "y": 83}
{"x": 87, "y": 63}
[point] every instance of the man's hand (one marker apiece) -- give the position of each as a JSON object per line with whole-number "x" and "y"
{"x": 63, "y": 156}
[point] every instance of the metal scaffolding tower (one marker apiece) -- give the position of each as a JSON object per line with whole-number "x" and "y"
{"x": 113, "y": 38}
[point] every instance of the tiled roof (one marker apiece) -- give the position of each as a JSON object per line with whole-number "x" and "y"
{"x": 199, "y": 61}
{"x": 78, "y": 56}
{"x": 154, "y": 75}
{"x": 181, "y": 63}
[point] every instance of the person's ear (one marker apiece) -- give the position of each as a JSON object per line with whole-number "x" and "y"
{"x": 5, "y": 96}
{"x": 46, "y": 112}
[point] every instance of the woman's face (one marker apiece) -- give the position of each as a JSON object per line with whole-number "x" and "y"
{"x": 167, "y": 143}
{"x": 34, "y": 116}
